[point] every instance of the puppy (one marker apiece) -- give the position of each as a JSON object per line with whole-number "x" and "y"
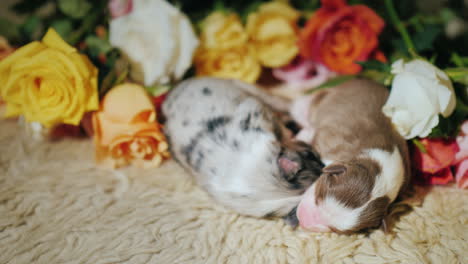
{"x": 367, "y": 160}
{"x": 236, "y": 147}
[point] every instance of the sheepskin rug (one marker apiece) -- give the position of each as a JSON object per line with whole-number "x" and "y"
{"x": 57, "y": 207}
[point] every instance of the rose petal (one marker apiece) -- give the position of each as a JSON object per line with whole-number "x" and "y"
{"x": 440, "y": 155}
{"x": 461, "y": 175}
{"x": 442, "y": 177}
{"x": 126, "y": 101}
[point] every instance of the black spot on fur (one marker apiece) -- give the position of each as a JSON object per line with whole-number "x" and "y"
{"x": 213, "y": 170}
{"x": 199, "y": 160}
{"x": 291, "y": 218}
{"x": 235, "y": 144}
{"x": 207, "y": 91}
{"x": 187, "y": 151}
{"x": 217, "y": 122}
{"x": 245, "y": 123}
{"x": 293, "y": 126}
{"x": 258, "y": 129}
{"x": 185, "y": 123}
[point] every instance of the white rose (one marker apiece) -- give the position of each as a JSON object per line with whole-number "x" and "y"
{"x": 420, "y": 91}
{"x": 157, "y": 39}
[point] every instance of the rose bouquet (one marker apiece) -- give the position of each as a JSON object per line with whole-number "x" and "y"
{"x": 103, "y": 68}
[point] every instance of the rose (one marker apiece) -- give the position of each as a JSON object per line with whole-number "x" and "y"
{"x": 224, "y": 51}
{"x": 303, "y": 74}
{"x": 236, "y": 63}
{"x": 157, "y": 39}
{"x": 338, "y": 35}
{"x": 461, "y": 157}
{"x": 126, "y": 131}
{"x": 48, "y": 82}
{"x": 222, "y": 31}
{"x": 5, "y": 48}
{"x": 420, "y": 91}
{"x": 273, "y": 33}
{"x": 119, "y": 8}
{"x": 433, "y": 165}
{"x": 461, "y": 175}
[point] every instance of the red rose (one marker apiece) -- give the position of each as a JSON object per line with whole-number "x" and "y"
{"x": 433, "y": 167}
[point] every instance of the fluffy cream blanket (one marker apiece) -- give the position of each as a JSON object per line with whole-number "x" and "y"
{"x": 57, "y": 207}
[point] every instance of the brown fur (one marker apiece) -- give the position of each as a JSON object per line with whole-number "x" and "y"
{"x": 347, "y": 120}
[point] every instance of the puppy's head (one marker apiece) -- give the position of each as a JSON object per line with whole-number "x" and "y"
{"x": 352, "y": 196}
{"x": 299, "y": 165}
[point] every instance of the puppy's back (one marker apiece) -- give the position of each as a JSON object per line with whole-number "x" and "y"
{"x": 348, "y": 119}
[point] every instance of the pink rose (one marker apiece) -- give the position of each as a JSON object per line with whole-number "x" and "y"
{"x": 461, "y": 157}
{"x": 433, "y": 167}
{"x": 461, "y": 175}
{"x": 303, "y": 74}
{"x": 119, "y": 8}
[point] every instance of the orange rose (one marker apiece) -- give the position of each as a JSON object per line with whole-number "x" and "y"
{"x": 338, "y": 35}
{"x": 126, "y": 131}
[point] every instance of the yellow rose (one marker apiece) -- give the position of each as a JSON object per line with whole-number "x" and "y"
{"x": 222, "y": 31}
{"x": 48, "y": 82}
{"x": 274, "y": 33}
{"x": 234, "y": 63}
{"x": 126, "y": 130}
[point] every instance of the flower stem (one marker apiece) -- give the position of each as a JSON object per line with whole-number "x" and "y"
{"x": 400, "y": 27}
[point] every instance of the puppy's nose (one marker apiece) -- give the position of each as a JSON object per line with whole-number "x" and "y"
{"x": 310, "y": 218}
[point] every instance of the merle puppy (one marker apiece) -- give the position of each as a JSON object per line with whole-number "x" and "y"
{"x": 237, "y": 148}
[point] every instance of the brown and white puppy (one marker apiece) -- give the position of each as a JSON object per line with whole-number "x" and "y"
{"x": 367, "y": 160}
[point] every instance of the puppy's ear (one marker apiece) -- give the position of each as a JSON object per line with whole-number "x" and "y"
{"x": 288, "y": 166}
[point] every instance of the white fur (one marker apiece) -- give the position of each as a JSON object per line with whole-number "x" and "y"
{"x": 388, "y": 183}
{"x": 390, "y": 180}
{"x": 333, "y": 212}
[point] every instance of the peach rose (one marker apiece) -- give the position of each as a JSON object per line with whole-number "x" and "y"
{"x": 126, "y": 131}
{"x": 338, "y": 35}
{"x": 273, "y": 33}
{"x": 234, "y": 63}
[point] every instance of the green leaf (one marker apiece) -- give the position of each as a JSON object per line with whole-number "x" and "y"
{"x": 63, "y": 27}
{"x": 419, "y": 145}
{"x": 375, "y": 65}
{"x": 157, "y": 90}
{"x": 384, "y": 78}
{"x": 31, "y": 27}
{"x": 447, "y": 15}
{"x": 331, "y": 83}
{"x": 458, "y": 61}
{"x": 97, "y": 46}
{"x": 74, "y": 8}
{"x": 459, "y": 75}
{"x": 424, "y": 40}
